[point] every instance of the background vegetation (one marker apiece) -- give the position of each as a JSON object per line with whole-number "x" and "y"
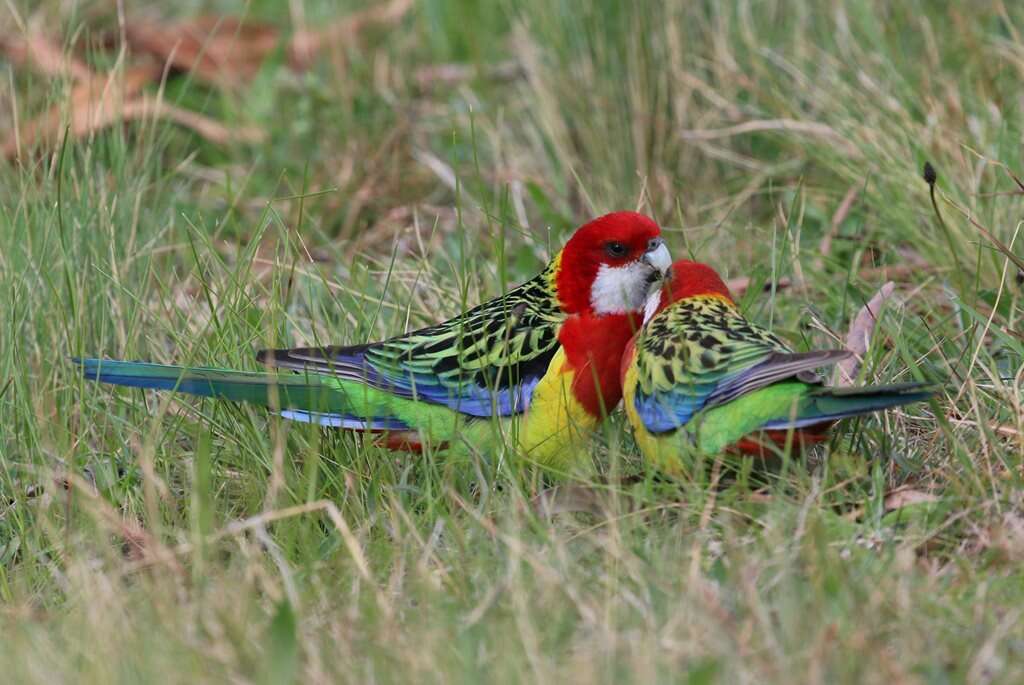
{"x": 417, "y": 162}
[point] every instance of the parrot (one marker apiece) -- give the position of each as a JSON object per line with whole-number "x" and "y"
{"x": 536, "y": 367}
{"x": 700, "y": 379}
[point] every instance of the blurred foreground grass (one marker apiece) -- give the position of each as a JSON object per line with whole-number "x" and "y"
{"x": 424, "y": 167}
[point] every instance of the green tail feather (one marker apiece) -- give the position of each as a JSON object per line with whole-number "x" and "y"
{"x": 831, "y": 404}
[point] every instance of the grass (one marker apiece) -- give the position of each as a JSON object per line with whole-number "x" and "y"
{"x": 149, "y": 537}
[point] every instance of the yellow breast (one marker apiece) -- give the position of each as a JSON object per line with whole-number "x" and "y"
{"x": 556, "y": 430}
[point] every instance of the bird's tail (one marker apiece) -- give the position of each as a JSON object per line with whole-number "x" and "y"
{"x": 305, "y": 397}
{"x": 293, "y": 391}
{"x": 297, "y": 396}
{"x": 825, "y": 405}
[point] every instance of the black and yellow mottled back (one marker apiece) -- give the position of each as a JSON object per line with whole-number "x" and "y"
{"x": 482, "y": 363}
{"x": 700, "y": 352}
{"x": 699, "y": 339}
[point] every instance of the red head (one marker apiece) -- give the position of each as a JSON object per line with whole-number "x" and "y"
{"x": 610, "y": 265}
{"x": 690, "y": 279}
{"x": 606, "y": 273}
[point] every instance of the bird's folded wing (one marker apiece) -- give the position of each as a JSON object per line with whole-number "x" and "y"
{"x": 699, "y": 354}
{"x": 486, "y": 362}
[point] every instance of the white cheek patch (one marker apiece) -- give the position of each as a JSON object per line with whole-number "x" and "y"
{"x": 620, "y": 289}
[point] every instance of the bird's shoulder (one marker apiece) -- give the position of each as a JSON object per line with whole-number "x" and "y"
{"x": 699, "y": 339}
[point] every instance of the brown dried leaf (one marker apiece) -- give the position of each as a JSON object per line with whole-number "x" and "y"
{"x": 226, "y": 51}
{"x": 223, "y": 51}
{"x": 307, "y": 43}
{"x": 39, "y": 52}
{"x": 859, "y": 337}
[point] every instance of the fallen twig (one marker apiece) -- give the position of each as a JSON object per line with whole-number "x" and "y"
{"x": 105, "y": 100}
{"x": 36, "y": 51}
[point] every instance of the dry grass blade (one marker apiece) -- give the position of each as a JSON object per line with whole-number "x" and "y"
{"x": 38, "y": 52}
{"x": 930, "y": 177}
{"x": 221, "y": 51}
{"x": 761, "y": 125}
{"x": 825, "y": 246}
{"x": 1000, "y": 245}
{"x": 1000, "y": 429}
{"x": 139, "y": 545}
{"x": 859, "y": 337}
{"x": 1008, "y": 536}
{"x": 738, "y": 286}
{"x": 564, "y": 499}
{"x": 758, "y": 126}
{"x": 911, "y": 270}
{"x": 454, "y": 73}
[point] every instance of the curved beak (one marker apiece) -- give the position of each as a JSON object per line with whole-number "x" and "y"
{"x": 651, "y": 305}
{"x": 658, "y": 257}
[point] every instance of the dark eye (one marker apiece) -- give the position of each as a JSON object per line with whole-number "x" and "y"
{"x": 615, "y": 249}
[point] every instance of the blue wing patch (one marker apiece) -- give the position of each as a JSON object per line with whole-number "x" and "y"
{"x": 663, "y": 412}
{"x": 467, "y": 397}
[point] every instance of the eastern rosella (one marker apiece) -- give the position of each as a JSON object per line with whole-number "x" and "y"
{"x": 538, "y": 365}
{"x": 701, "y": 379}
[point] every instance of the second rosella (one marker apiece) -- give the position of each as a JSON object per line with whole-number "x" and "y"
{"x": 701, "y": 379}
